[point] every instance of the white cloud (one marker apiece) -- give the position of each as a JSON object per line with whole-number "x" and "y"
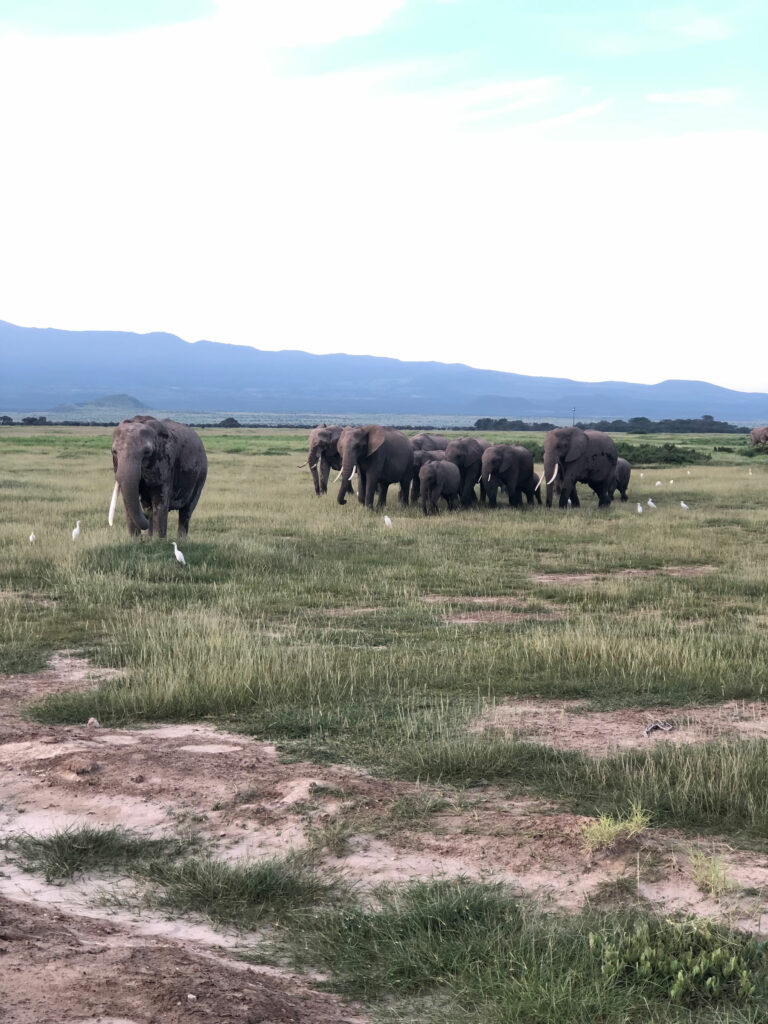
{"x": 173, "y": 180}
{"x": 706, "y": 29}
{"x": 695, "y": 97}
{"x": 302, "y": 22}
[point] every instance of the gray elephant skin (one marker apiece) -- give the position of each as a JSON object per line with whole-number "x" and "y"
{"x": 758, "y": 435}
{"x": 323, "y": 455}
{"x": 159, "y": 465}
{"x": 510, "y": 466}
{"x": 467, "y": 454}
{"x": 439, "y": 479}
{"x": 421, "y": 458}
{"x": 382, "y": 456}
{"x": 573, "y": 455}
{"x": 623, "y": 473}
{"x": 429, "y": 442}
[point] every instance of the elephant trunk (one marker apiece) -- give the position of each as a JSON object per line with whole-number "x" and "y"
{"x": 314, "y": 461}
{"x": 348, "y": 467}
{"x": 128, "y": 476}
{"x": 551, "y": 467}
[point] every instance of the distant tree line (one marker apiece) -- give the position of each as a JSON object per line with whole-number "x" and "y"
{"x": 642, "y": 425}
{"x": 486, "y": 423}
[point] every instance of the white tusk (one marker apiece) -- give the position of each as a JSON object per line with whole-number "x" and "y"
{"x": 311, "y": 467}
{"x": 113, "y": 503}
{"x": 557, "y": 466}
{"x": 538, "y": 485}
{"x": 338, "y": 477}
{"x": 303, "y": 465}
{"x": 354, "y": 470}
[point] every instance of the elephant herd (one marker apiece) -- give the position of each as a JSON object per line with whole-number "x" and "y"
{"x": 161, "y": 465}
{"x": 429, "y": 467}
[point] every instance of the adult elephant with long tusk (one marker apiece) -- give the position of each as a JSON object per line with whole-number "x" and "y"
{"x": 382, "y": 455}
{"x": 323, "y": 455}
{"x": 159, "y": 465}
{"x": 573, "y": 455}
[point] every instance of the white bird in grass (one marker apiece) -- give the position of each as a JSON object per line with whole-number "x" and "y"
{"x": 642, "y": 475}
{"x": 658, "y": 483}
{"x": 671, "y": 482}
{"x": 688, "y": 472}
{"x": 651, "y": 503}
{"x": 683, "y": 505}
{"x": 32, "y": 537}
{"x": 178, "y": 555}
{"x": 387, "y": 521}
{"x": 639, "y": 508}
{"x": 76, "y": 531}
{"x": 750, "y": 473}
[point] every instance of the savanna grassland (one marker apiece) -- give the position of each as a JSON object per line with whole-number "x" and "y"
{"x": 384, "y": 653}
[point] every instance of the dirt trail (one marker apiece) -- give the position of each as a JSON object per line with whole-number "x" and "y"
{"x": 235, "y": 794}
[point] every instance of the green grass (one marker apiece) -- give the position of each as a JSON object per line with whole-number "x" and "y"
{"x": 75, "y": 851}
{"x": 609, "y": 829}
{"x": 443, "y": 951}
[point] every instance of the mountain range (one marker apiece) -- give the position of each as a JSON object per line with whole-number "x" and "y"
{"x": 43, "y": 369}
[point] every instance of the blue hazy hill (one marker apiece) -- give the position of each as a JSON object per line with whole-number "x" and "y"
{"x": 45, "y": 368}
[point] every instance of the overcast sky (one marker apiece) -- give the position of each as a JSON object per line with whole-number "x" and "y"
{"x": 508, "y": 184}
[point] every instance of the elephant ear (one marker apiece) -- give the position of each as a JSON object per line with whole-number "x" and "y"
{"x": 578, "y": 446}
{"x": 376, "y": 439}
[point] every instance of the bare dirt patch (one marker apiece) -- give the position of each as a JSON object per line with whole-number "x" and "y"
{"x": 565, "y": 724}
{"x": 565, "y": 578}
{"x": 58, "y": 968}
{"x": 480, "y": 617}
{"x": 345, "y": 613}
{"x": 505, "y": 600}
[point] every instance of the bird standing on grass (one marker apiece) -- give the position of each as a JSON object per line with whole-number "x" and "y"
{"x": 658, "y": 483}
{"x": 387, "y": 521}
{"x": 76, "y": 531}
{"x": 683, "y": 505}
{"x": 178, "y": 555}
{"x": 639, "y": 508}
{"x": 651, "y": 503}
{"x": 32, "y": 537}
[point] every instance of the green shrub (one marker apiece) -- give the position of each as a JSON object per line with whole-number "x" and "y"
{"x": 661, "y": 454}
{"x": 691, "y": 962}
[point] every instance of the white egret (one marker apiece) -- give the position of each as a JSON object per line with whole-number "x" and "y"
{"x": 76, "y": 531}
{"x": 688, "y": 472}
{"x": 683, "y": 505}
{"x": 32, "y": 537}
{"x": 750, "y": 472}
{"x": 651, "y": 503}
{"x": 658, "y": 483}
{"x": 639, "y": 508}
{"x": 671, "y": 482}
{"x": 178, "y": 554}
{"x": 642, "y": 475}
{"x": 387, "y": 521}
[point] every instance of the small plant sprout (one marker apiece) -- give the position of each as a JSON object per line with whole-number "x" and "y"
{"x": 683, "y": 505}
{"x": 609, "y": 829}
{"x": 710, "y": 874}
{"x": 651, "y": 503}
{"x": 76, "y": 531}
{"x": 32, "y": 537}
{"x": 178, "y": 555}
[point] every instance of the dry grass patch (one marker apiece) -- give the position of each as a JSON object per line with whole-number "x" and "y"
{"x": 565, "y": 578}
{"x": 567, "y": 726}
{"x": 480, "y": 617}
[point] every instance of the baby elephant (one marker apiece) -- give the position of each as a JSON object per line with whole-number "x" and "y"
{"x": 437, "y": 480}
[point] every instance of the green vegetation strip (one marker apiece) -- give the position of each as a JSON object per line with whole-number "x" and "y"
{"x": 433, "y": 950}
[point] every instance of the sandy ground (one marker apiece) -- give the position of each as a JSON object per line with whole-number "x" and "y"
{"x": 58, "y": 947}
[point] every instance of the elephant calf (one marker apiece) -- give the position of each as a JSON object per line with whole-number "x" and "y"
{"x": 439, "y": 479}
{"x": 421, "y": 458}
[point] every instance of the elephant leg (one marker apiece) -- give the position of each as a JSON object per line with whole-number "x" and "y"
{"x": 483, "y": 492}
{"x": 415, "y": 489}
{"x": 402, "y": 497}
{"x": 148, "y": 510}
{"x": 382, "y": 500}
{"x": 491, "y": 490}
{"x": 362, "y": 487}
{"x": 623, "y": 495}
{"x": 160, "y": 520}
